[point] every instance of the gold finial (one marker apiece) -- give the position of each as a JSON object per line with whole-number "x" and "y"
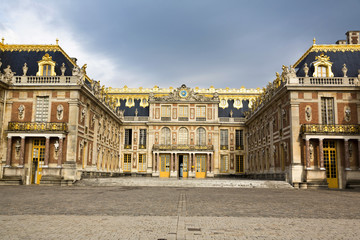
{"x": 3, "y": 40}
{"x": 314, "y": 41}
{"x": 57, "y": 41}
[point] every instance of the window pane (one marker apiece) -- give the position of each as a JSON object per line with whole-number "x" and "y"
{"x": 183, "y": 136}
{"x": 201, "y": 136}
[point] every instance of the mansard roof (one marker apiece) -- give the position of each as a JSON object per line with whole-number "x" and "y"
{"x": 16, "y": 55}
{"x": 339, "y": 55}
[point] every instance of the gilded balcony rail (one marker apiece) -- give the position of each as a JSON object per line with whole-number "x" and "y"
{"x": 330, "y": 129}
{"x": 37, "y": 126}
{"x": 181, "y": 147}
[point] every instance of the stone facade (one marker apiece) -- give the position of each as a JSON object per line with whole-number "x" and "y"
{"x": 58, "y": 126}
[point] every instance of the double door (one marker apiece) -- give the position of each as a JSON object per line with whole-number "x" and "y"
{"x": 38, "y": 158}
{"x": 330, "y": 164}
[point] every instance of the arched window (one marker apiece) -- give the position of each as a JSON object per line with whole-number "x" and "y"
{"x": 46, "y": 70}
{"x": 200, "y": 136}
{"x": 165, "y": 136}
{"x": 183, "y": 136}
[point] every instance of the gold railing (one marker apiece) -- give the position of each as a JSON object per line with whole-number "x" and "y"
{"x": 37, "y": 126}
{"x": 182, "y": 147}
{"x": 329, "y": 129}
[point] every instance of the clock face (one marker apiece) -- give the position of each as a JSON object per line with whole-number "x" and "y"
{"x": 183, "y": 93}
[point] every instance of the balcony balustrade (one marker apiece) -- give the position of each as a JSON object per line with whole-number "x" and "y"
{"x": 37, "y": 126}
{"x": 330, "y": 129}
{"x": 163, "y": 147}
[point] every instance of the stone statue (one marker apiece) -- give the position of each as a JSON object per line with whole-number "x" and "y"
{"x": 231, "y": 113}
{"x": 93, "y": 120}
{"x": 136, "y": 112}
{"x": 76, "y": 71}
{"x": 306, "y": 70}
{"x": 358, "y": 73}
{"x": 25, "y": 69}
{"x": 0, "y": 63}
{"x": 17, "y": 146}
{"x": 59, "y": 112}
{"x": 83, "y": 112}
{"x": 292, "y": 73}
{"x": 308, "y": 113}
{"x": 347, "y": 114}
{"x": 21, "y": 113}
{"x": 63, "y": 69}
{"x": 8, "y": 74}
{"x": 56, "y": 146}
{"x": 344, "y": 70}
{"x": 311, "y": 151}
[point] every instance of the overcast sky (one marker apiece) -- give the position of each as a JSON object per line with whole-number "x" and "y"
{"x": 224, "y": 43}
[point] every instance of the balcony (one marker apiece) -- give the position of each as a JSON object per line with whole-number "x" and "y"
{"x": 330, "y": 129}
{"x": 48, "y": 80}
{"x": 37, "y": 126}
{"x": 328, "y": 81}
{"x": 180, "y": 147}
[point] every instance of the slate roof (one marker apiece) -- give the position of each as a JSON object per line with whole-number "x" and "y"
{"x": 142, "y": 112}
{"x": 17, "y": 58}
{"x": 338, "y": 56}
{"x": 236, "y": 112}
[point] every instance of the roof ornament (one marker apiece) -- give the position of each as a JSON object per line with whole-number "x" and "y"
{"x": 57, "y": 41}
{"x": 25, "y": 69}
{"x": 306, "y": 70}
{"x": 63, "y": 69}
{"x": 8, "y": 74}
{"x": 344, "y": 70}
{"x": 3, "y": 40}
{"x": 314, "y": 41}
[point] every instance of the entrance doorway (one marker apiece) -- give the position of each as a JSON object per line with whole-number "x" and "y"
{"x": 183, "y": 165}
{"x": 330, "y": 163}
{"x": 200, "y": 166}
{"x": 38, "y": 158}
{"x": 165, "y": 165}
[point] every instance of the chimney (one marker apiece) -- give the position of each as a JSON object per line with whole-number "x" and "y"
{"x": 353, "y": 37}
{"x": 341, "y": 42}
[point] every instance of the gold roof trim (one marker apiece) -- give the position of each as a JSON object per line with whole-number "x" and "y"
{"x": 329, "y": 48}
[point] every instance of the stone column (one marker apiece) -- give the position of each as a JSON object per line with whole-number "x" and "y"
{"x": 171, "y": 162}
{"x": 208, "y": 162}
{"x": 307, "y": 142}
{"x": 346, "y": 149}
{"x": 359, "y": 153}
{"x": 190, "y": 162}
{"x": 321, "y": 150}
{"x": 22, "y": 151}
{"x": 60, "y": 152}
{"x": 158, "y": 166}
{"x": 8, "y": 155}
{"x": 176, "y": 162}
{"x": 47, "y": 151}
{"x": 154, "y": 160}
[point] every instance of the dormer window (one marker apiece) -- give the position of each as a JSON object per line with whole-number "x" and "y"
{"x": 322, "y": 66}
{"x": 46, "y": 66}
{"x": 46, "y": 70}
{"x": 322, "y": 71}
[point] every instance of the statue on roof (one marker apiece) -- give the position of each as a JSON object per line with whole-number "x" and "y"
{"x": 76, "y": 70}
{"x": 25, "y": 69}
{"x": 8, "y": 74}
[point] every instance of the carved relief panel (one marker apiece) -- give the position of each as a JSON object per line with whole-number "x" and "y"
{"x": 308, "y": 113}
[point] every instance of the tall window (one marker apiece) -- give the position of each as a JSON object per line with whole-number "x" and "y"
{"x": 165, "y": 136}
{"x": 142, "y": 142}
{"x": 42, "y": 109}
{"x": 46, "y": 70}
{"x": 239, "y": 140}
{"x": 201, "y": 113}
{"x": 165, "y": 111}
{"x": 127, "y": 163}
{"x": 327, "y": 110}
{"x": 183, "y": 136}
{"x": 224, "y": 164}
{"x": 183, "y": 111}
{"x": 142, "y": 163}
{"x": 322, "y": 71}
{"x": 128, "y": 138}
{"x": 239, "y": 164}
{"x": 200, "y": 136}
{"x": 224, "y": 139}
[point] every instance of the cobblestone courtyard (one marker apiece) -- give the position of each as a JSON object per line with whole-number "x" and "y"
{"x": 119, "y": 212}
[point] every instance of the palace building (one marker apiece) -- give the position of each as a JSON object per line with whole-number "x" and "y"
{"x": 58, "y": 126}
